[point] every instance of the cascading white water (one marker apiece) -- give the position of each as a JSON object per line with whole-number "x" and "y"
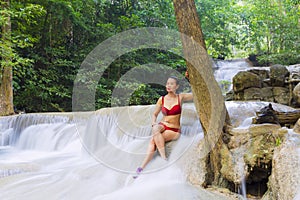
{"x": 224, "y": 71}
{"x": 93, "y": 155}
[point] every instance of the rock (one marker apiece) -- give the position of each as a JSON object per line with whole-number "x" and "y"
{"x": 252, "y": 94}
{"x": 281, "y": 95}
{"x": 295, "y": 71}
{"x": 296, "y": 128}
{"x": 227, "y": 165}
{"x": 239, "y": 137}
{"x": 250, "y": 147}
{"x": 262, "y": 144}
{"x": 229, "y": 96}
{"x": 296, "y": 93}
{"x": 278, "y": 74}
{"x": 267, "y": 83}
{"x": 264, "y": 74}
{"x": 244, "y": 80}
{"x": 239, "y": 96}
{"x": 267, "y": 94}
{"x": 284, "y": 181}
{"x": 281, "y": 133}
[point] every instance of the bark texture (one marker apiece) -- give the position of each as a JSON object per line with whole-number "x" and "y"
{"x": 208, "y": 98}
{"x": 6, "y": 90}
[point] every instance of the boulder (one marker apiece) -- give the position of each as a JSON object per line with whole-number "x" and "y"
{"x": 296, "y": 94}
{"x": 264, "y": 74}
{"x": 244, "y": 80}
{"x": 229, "y": 96}
{"x": 295, "y": 71}
{"x": 266, "y": 83}
{"x": 239, "y": 96}
{"x": 252, "y": 94}
{"x": 267, "y": 94}
{"x": 249, "y": 153}
{"x": 284, "y": 182}
{"x": 263, "y": 142}
{"x": 278, "y": 74}
{"x": 296, "y": 128}
{"x": 281, "y": 95}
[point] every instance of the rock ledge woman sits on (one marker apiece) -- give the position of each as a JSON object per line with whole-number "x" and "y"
{"x": 168, "y": 128}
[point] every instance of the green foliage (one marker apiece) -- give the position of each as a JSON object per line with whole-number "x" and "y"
{"x": 278, "y": 142}
{"x": 274, "y": 30}
{"x": 224, "y": 85}
{"x": 51, "y": 38}
{"x": 219, "y": 21}
{"x": 284, "y": 58}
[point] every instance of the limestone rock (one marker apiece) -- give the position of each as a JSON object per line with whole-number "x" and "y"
{"x": 278, "y": 74}
{"x": 252, "y": 94}
{"x": 295, "y": 71}
{"x": 267, "y": 94}
{"x": 227, "y": 165}
{"x": 296, "y": 93}
{"x": 296, "y": 128}
{"x": 229, "y": 96}
{"x": 244, "y": 80}
{"x": 281, "y": 95}
{"x": 284, "y": 181}
{"x": 250, "y": 147}
{"x": 258, "y": 130}
{"x": 239, "y": 137}
{"x": 263, "y": 142}
{"x": 264, "y": 74}
{"x": 239, "y": 96}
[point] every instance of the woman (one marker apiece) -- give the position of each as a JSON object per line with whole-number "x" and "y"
{"x": 169, "y": 127}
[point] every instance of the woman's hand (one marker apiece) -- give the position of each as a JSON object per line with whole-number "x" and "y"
{"x": 187, "y": 75}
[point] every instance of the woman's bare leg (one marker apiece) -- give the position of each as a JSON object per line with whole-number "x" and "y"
{"x": 167, "y": 135}
{"x": 150, "y": 153}
{"x": 159, "y": 140}
{"x": 160, "y": 136}
{"x": 160, "y": 144}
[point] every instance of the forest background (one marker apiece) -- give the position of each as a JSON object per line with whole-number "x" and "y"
{"x": 50, "y": 39}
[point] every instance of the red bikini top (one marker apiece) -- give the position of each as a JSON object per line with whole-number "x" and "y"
{"x": 175, "y": 110}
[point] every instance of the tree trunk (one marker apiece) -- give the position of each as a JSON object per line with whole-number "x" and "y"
{"x": 6, "y": 91}
{"x": 208, "y": 99}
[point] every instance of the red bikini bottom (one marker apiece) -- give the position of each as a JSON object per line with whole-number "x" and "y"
{"x": 168, "y": 128}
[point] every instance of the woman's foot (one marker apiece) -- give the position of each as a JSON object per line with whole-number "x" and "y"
{"x": 138, "y": 172}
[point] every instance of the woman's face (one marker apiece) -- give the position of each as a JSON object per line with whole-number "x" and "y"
{"x": 171, "y": 85}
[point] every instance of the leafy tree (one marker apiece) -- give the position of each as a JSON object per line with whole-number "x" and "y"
{"x": 273, "y": 30}
{"x": 50, "y": 39}
{"x": 6, "y": 94}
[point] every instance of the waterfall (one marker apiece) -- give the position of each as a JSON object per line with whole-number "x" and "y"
{"x": 93, "y": 156}
{"x": 11, "y": 127}
{"x": 224, "y": 71}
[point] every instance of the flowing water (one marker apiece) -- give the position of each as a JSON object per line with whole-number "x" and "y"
{"x": 93, "y": 155}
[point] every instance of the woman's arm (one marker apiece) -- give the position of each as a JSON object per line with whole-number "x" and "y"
{"x": 156, "y": 111}
{"x": 187, "y": 96}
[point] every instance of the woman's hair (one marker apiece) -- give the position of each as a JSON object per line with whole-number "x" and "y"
{"x": 175, "y": 78}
